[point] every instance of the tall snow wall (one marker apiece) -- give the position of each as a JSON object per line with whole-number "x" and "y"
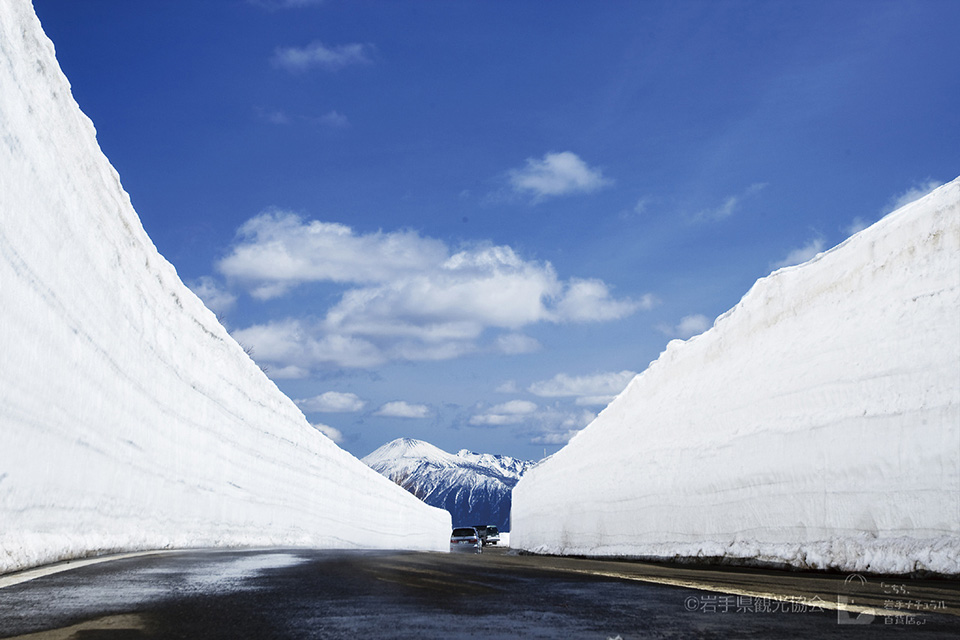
{"x": 816, "y": 424}
{"x": 129, "y": 419}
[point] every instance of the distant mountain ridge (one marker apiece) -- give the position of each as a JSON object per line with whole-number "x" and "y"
{"x": 474, "y": 487}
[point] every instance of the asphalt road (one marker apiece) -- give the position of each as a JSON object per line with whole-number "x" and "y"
{"x": 370, "y": 594}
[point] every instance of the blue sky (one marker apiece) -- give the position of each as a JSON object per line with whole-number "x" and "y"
{"x": 472, "y": 222}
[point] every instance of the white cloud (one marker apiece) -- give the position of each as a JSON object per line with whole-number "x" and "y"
{"x": 590, "y": 301}
{"x": 556, "y": 174}
{"x": 639, "y": 209}
{"x": 486, "y": 286}
{"x": 316, "y": 54}
{"x": 858, "y": 225}
{"x": 301, "y": 345}
{"x": 510, "y": 386}
{"x": 912, "y": 194}
{"x": 291, "y": 372}
{"x": 277, "y": 250}
{"x": 401, "y": 409}
{"x": 517, "y": 343}
{"x": 556, "y": 426}
{"x": 594, "y": 401}
{"x": 555, "y": 437}
{"x": 414, "y": 350}
{"x": 406, "y": 297}
{"x": 216, "y": 298}
{"x": 692, "y": 325}
{"x": 688, "y": 327}
{"x": 730, "y": 204}
{"x": 723, "y": 211}
{"x": 494, "y": 420}
{"x": 512, "y": 412}
{"x": 332, "y": 402}
{"x": 801, "y": 255}
{"x": 515, "y": 407}
{"x": 606, "y": 384}
{"x": 334, "y": 120}
{"x": 331, "y": 432}
{"x": 274, "y": 116}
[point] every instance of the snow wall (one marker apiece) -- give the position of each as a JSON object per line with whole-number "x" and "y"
{"x": 129, "y": 418}
{"x": 816, "y": 424}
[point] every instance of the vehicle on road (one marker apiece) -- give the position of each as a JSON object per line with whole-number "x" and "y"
{"x": 488, "y": 533}
{"x": 466, "y": 539}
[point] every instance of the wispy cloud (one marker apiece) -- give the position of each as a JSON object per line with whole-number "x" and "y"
{"x": 407, "y": 297}
{"x": 332, "y": 402}
{"x": 555, "y": 437}
{"x": 215, "y": 297}
{"x": 556, "y": 174}
{"x": 597, "y": 389}
{"x": 509, "y": 386}
{"x": 318, "y": 55}
{"x": 856, "y": 226}
{"x": 332, "y": 119}
{"x": 288, "y": 372}
{"x": 640, "y": 209}
{"x": 401, "y": 409}
{"x": 688, "y": 327}
{"x": 541, "y": 424}
{"x": 278, "y": 250}
{"x": 801, "y": 254}
{"x": 274, "y": 116}
{"x": 555, "y": 426}
{"x": 517, "y": 343}
{"x": 729, "y": 206}
{"x": 299, "y": 346}
{"x": 331, "y": 432}
{"x": 512, "y": 412}
{"x": 581, "y": 300}
{"x": 591, "y": 301}
{"x": 912, "y": 194}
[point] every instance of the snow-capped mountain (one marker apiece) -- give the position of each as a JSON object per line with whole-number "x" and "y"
{"x": 474, "y": 487}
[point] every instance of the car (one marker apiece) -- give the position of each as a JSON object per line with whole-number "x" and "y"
{"x": 466, "y": 539}
{"x": 488, "y": 533}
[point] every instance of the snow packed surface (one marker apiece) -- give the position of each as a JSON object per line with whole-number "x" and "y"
{"x": 816, "y": 424}
{"x": 129, "y": 418}
{"x": 474, "y": 487}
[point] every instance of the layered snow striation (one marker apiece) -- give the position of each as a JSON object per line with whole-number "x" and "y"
{"x": 475, "y": 488}
{"x": 129, "y": 419}
{"x": 816, "y": 424}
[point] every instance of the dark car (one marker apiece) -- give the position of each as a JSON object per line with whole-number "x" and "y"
{"x": 488, "y": 533}
{"x": 466, "y": 539}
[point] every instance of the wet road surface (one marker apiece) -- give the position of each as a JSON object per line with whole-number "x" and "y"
{"x": 498, "y": 594}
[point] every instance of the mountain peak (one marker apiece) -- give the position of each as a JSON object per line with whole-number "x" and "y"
{"x": 407, "y": 448}
{"x": 473, "y": 487}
